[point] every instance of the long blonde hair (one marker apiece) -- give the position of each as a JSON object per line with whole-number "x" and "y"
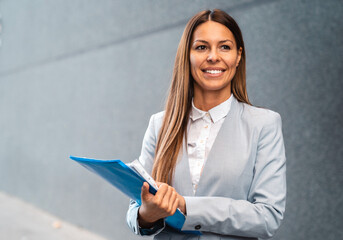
{"x": 181, "y": 90}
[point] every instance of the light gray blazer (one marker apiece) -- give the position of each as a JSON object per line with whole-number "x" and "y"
{"x": 242, "y": 189}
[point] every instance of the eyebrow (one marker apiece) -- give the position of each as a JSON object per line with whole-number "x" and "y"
{"x": 222, "y": 41}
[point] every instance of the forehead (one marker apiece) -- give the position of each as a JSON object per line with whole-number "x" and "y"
{"x": 212, "y": 31}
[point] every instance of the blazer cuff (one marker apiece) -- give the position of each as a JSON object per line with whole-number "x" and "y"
{"x": 191, "y": 222}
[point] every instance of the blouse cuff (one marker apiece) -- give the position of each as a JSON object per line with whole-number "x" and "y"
{"x": 157, "y": 228}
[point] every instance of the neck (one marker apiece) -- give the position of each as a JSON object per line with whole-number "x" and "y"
{"x": 208, "y": 100}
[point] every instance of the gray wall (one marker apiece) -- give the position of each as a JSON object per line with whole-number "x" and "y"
{"x": 83, "y": 77}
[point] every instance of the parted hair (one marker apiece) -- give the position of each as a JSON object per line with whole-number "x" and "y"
{"x": 179, "y": 100}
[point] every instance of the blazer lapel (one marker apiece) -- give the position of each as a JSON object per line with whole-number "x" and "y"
{"x": 219, "y": 149}
{"x": 182, "y": 177}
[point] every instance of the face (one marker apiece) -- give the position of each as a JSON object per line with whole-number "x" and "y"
{"x": 213, "y": 58}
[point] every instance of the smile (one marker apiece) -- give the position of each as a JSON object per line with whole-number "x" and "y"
{"x": 214, "y": 71}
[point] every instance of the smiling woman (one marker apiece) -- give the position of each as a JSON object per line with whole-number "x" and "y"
{"x": 216, "y": 157}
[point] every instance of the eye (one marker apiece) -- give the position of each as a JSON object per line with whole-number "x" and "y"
{"x": 200, "y": 47}
{"x": 225, "y": 47}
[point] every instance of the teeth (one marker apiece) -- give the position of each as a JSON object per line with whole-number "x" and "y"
{"x": 214, "y": 71}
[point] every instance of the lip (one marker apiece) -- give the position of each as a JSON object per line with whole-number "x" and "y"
{"x": 213, "y": 68}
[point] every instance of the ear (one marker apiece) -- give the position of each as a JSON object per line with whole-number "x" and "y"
{"x": 239, "y": 55}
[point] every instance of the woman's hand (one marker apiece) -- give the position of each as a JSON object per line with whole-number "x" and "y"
{"x": 161, "y": 205}
{"x": 182, "y": 202}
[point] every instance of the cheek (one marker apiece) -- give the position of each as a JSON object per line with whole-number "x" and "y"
{"x": 231, "y": 62}
{"x": 193, "y": 61}
{"x": 194, "y": 65}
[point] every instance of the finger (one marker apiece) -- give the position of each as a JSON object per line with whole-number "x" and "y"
{"x": 174, "y": 196}
{"x": 166, "y": 198}
{"x": 161, "y": 192}
{"x": 172, "y": 199}
{"x": 159, "y": 184}
{"x": 182, "y": 203}
{"x": 145, "y": 191}
{"x": 174, "y": 206}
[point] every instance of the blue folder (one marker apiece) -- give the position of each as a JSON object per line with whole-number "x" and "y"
{"x": 127, "y": 181}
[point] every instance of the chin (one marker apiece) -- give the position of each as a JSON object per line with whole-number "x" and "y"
{"x": 216, "y": 87}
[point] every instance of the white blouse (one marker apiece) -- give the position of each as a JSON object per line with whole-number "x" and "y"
{"x": 203, "y": 128}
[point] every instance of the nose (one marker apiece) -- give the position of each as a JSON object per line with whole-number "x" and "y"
{"x": 213, "y": 56}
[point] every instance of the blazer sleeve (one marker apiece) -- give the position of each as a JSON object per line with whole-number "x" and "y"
{"x": 261, "y": 214}
{"x": 146, "y": 158}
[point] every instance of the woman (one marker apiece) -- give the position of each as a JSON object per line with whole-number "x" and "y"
{"x": 218, "y": 159}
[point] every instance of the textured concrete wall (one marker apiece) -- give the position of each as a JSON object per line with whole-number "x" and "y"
{"x": 83, "y": 77}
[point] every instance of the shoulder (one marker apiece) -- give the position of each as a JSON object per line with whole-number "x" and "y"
{"x": 157, "y": 117}
{"x": 258, "y": 116}
{"x": 263, "y": 123}
{"x": 155, "y": 122}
